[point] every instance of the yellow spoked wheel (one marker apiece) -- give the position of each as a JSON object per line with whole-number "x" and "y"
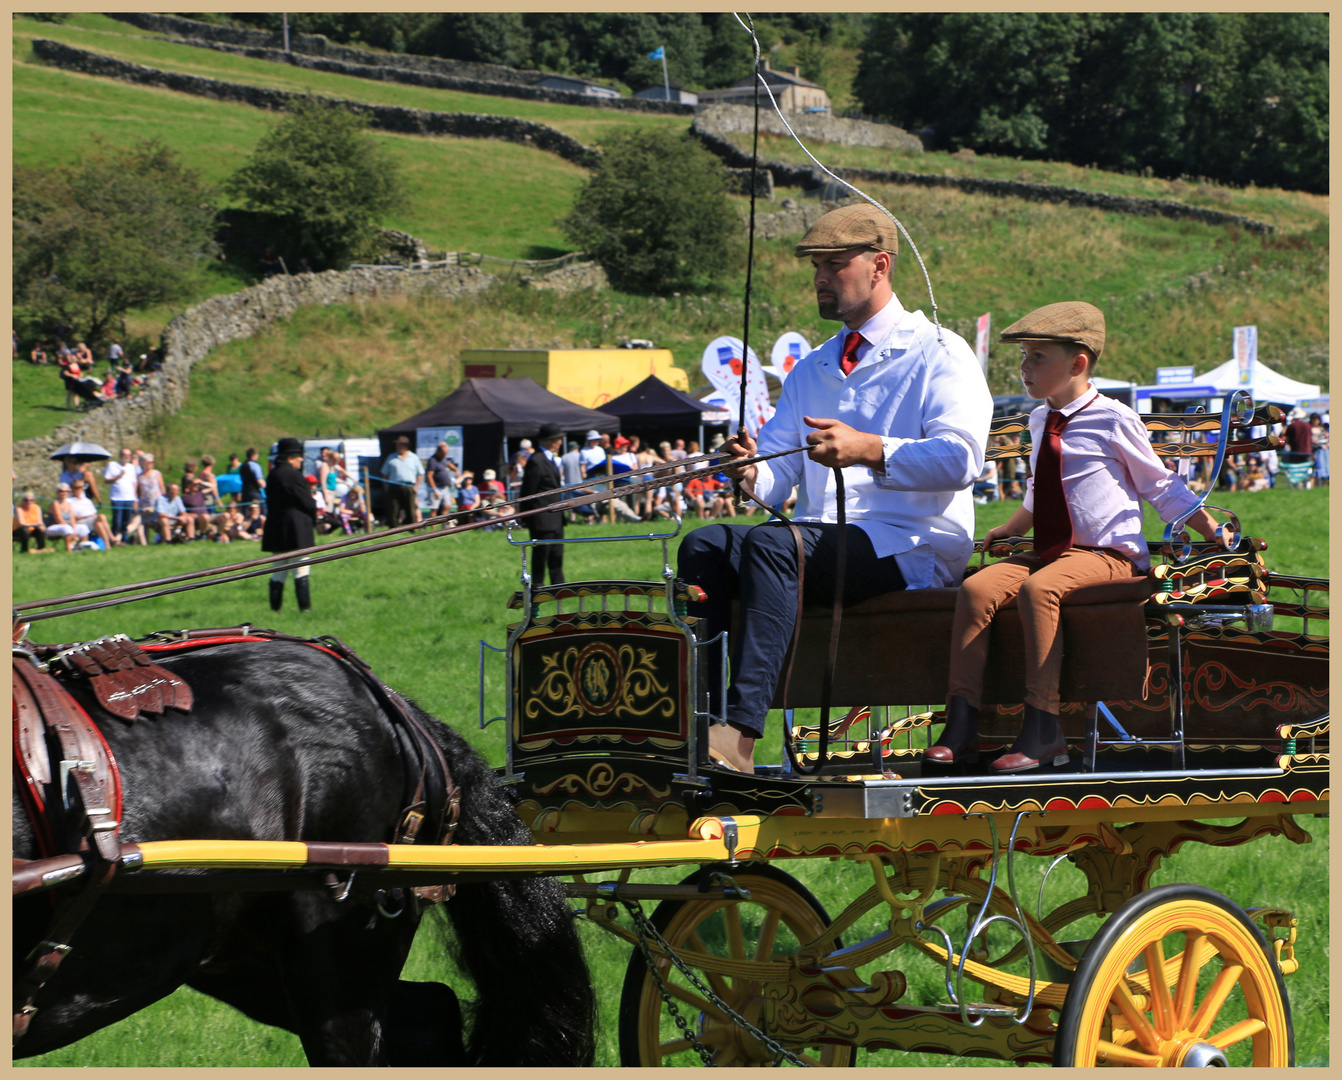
{"x": 1178, "y": 976}
{"x": 780, "y": 916}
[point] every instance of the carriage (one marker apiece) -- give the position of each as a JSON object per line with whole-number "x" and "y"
{"x": 1192, "y": 714}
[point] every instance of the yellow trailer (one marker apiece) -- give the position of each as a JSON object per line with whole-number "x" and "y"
{"x": 589, "y": 377}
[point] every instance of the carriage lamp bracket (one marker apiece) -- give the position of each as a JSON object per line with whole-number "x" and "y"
{"x": 1282, "y": 948}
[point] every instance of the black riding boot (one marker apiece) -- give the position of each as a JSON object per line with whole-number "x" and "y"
{"x": 1040, "y": 741}
{"x": 959, "y": 740}
{"x": 276, "y": 595}
{"x": 301, "y": 591}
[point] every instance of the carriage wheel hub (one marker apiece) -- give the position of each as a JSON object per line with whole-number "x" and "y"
{"x": 1202, "y": 1055}
{"x": 733, "y": 1044}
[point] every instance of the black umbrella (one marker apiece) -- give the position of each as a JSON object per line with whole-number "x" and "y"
{"x": 81, "y": 451}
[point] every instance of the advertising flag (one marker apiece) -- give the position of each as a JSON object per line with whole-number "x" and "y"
{"x": 788, "y": 349}
{"x": 981, "y": 342}
{"x": 1246, "y": 352}
{"x": 658, "y": 53}
{"x": 722, "y": 365}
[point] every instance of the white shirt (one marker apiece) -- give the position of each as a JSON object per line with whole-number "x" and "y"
{"x": 1108, "y": 467}
{"x": 592, "y": 456}
{"x": 81, "y": 507}
{"x": 930, "y": 405}
{"x": 122, "y": 479}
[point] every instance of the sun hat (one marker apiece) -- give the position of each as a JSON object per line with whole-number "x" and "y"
{"x": 288, "y": 447}
{"x": 489, "y": 474}
{"x": 621, "y": 442}
{"x": 593, "y": 435}
{"x": 858, "y": 225}
{"x": 1071, "y": 320}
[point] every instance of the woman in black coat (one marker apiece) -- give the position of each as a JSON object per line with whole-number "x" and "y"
{"x": 291, "y": 514}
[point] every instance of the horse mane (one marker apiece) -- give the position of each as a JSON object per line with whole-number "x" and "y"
{"x": 515, "y": 937}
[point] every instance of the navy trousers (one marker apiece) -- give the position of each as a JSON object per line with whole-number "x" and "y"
{"x": 758, "y": 564}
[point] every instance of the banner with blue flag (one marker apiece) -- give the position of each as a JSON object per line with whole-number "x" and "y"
{"x": 658, "y": 53}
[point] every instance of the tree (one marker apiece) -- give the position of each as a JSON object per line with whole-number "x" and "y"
{"x": 655, "y": 213}
{"x": 324, "y": 180}
{"x": 116, "y": 230}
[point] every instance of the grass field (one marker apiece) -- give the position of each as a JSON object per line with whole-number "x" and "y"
{"x": 415, "y": 614}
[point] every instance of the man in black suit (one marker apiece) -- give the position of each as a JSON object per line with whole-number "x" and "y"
{"x": 542, "y": 474}
{"x": 291, "y": 514}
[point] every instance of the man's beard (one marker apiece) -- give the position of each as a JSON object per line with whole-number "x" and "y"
{"x": 829, "y": 309}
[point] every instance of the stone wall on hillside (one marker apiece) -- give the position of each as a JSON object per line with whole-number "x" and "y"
{"x": 730, "y": 119}
{"x": 317, "y": 53}
{"x": 810, "y": 178}
{"x": 214, "y": 322}
{"x": 384, "y": 117}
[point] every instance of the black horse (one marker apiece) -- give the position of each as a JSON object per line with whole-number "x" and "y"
{"x": 289, "y": 742}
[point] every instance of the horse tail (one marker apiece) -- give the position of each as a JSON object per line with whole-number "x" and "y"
{"x": 516, "y": 938}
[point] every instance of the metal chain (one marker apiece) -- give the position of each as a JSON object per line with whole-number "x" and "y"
{"x": 645, "y": 929}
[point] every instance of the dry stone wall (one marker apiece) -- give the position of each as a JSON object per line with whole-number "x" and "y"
{"x": 385, "y": 117}
{"x": 810, "y": 178}
{"x": 735, "y": 119}
{"x": 318, "y": 53}
{"x": 217, "y": 321}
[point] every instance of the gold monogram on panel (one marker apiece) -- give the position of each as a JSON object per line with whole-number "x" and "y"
{"x": 600, "y": 679}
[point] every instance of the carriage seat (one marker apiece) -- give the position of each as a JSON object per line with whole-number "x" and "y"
{"x": 894, "y": 649}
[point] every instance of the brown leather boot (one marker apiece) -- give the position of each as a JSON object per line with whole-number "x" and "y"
{"x": 959, "y": 742}
{"x": 1040, "y": 741}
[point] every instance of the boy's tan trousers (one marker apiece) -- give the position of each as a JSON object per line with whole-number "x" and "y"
{"x": 1041, "y": 589}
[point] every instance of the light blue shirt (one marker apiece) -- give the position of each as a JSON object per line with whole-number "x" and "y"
{"x": 403, "y": 468}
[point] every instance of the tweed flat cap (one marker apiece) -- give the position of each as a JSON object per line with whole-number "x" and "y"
{"x": 858, "y": 225}
{"x": 1071, "y": 320}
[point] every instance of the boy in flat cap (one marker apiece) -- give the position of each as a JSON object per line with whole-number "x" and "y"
{"x": 902, "y": 407}
{"x": 1091, "y": 465}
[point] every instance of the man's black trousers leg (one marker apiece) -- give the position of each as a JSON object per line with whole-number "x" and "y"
{"x": 759, "y": 564}
{"x": 551, "y": 555}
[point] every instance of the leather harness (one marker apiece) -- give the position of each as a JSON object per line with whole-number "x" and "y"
{"x": 70, "y": 786}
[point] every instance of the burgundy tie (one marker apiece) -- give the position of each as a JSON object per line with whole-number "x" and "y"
{"x": 848, "y": 360}
{"x": 1052, "y": 522}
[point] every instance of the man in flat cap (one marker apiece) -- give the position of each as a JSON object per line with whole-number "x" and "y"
{"x": 291, "y": 514}
{"x": 902, "y": 408}
{"x": 540, "y": 475}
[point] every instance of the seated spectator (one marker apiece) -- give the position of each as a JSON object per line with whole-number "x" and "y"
{"x": 188, "y": 474}
{"x": 63, "y": 525}
{"x": 86, "y": 514}
{"x": 352, "y": 510}
{"x": 198, "y": 504}
{"x": 985, "y": 487}
{"x": 253, "y": 523}
{"x": 694, "y": 496}
{"x": 39, "y": 355}
{"x": 28, "y": 524}
{"x": 173, "y": 520}
{"x": 84, "y": 355}
{"x": 722, "y": 505}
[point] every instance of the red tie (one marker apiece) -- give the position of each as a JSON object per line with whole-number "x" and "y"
{"x": 1052, "y": 522}
{"x": 848, "y": 360}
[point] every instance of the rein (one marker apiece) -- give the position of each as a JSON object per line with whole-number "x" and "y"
{"x": 324, "y": 553}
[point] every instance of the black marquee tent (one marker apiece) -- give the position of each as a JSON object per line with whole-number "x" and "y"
{"x": 655, "y": 410}
{"x": 492, "y": 411}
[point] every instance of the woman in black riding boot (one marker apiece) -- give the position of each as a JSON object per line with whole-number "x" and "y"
{"x": 291, "y": 514}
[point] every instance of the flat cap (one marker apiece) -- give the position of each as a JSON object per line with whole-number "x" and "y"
{"x": 1071, "y": 320}
{"x": 858, "y": 225}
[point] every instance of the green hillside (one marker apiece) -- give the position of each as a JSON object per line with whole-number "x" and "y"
{"x": 1172, "y": 290}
